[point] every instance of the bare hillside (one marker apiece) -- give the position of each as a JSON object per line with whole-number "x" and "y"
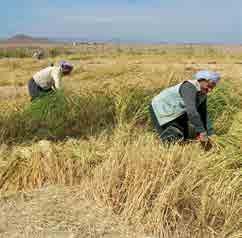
{"x": 21, "y": 38}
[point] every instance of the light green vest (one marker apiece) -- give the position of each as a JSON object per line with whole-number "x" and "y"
{"x": 169, "y": 105}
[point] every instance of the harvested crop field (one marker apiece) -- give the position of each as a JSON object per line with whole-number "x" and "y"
{"x": 85, "y": 162}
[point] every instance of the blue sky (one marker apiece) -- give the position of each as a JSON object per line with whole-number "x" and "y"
{"x": 134, "y": 20}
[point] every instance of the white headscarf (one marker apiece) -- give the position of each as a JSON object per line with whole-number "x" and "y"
{"x": 208, "y": 75}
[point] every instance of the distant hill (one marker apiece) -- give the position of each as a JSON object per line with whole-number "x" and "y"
{"x": 21, "y": 38}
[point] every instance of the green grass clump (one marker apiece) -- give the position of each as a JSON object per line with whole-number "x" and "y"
{"x": 57, "y": 115}
{"x": 132, "y": 105}
{"x": 223, "y": 103}
{"x": 15, "y": 53}
{"x": 232, "y": 141}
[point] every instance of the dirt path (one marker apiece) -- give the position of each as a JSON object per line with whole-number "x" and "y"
{"x": 59, "y": 212}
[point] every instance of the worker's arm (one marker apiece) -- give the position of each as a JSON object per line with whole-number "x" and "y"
{"x": 188, "y": 93}
{"x": 202, "y": 109}
{"x": 56, "y": 75}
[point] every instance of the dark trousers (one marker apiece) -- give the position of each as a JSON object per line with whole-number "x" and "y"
{"x": 176, "y": 129}
{"x": 35, "y": 90}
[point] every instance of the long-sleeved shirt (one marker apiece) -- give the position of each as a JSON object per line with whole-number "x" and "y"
{"x": 196, "y": 106}
{"x": 49, "y": 77}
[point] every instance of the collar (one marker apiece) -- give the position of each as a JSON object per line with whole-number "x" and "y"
{"x": 196, "y": 84}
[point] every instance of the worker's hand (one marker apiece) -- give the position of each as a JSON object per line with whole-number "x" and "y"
{"x": 205, "y": 141}
{"x": 202, "y": 137}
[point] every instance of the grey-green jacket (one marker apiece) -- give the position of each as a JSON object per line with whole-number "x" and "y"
{"x": 170, "y": 104}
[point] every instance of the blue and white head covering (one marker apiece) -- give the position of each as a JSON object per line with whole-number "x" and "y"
{"x": 208, "y": 75}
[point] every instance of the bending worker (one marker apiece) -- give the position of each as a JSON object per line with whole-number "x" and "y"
{"x": 48, "y": 79}
{"x": 184, "y": 106}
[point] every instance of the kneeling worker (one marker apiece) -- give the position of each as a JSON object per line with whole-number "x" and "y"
{"x": 181, "y": 107}
{"x": 48, "y": 79}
